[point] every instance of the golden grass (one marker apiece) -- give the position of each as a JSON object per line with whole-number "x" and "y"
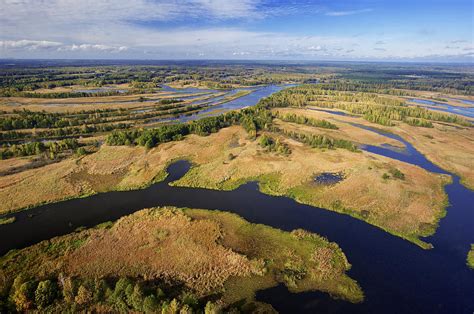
{"x": 449, "y": 147}
{"x": 210, "y": 252}
{"x": 62, "y": 105}
{"x": 111, "y": 168}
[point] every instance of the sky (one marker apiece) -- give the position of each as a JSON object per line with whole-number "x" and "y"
{"x": 356, "y": 30}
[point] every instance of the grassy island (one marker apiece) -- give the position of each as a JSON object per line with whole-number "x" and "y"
{"x": 169, "y": 258}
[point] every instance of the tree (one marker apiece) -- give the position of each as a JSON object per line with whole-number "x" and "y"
{"x": 173, "y": 308}
{"x": 100, "y": 290}
{"x": 151, "y": 304}
{"x": 81, "y": 151}
{"x": 186, "y": 309}
{"x": 84, "y": 296}
{"x": 23, "y": 296}
{"x": 45, "y": 294}
{"x": 119, "y": 297}
{"x": 69, "y": 288}
{"x": 211, "y": 308}
{"x": 137, "y": 297}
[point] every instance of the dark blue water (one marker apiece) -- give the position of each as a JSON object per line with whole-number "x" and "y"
{"x": 328, "y": 178}
{"x": 396, "y": 275}
{"x": 467, "y": 112}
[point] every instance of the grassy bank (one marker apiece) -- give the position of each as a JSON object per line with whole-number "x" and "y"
{"x": 165, "y": 248}
{"x": 470, "y": 257}
{"x": 6, "y": 221}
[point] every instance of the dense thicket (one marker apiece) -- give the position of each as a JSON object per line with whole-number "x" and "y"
{"x": 69, "y": 294}
{"x": 12, "y": 136}
{"x": 36, "y": 148}
{"x": 272, "y": 145}
{"x": 252, "y": 119}
{"x": 321, "y": 141}
{"x": 291, "y": 117}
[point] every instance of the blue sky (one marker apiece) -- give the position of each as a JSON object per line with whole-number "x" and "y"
{"x": 416, "y": 30}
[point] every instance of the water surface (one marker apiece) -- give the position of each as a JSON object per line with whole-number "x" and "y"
{"x": 467, "y": 112}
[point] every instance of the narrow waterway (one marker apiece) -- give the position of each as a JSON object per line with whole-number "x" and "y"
{"x": 467, "y": 112}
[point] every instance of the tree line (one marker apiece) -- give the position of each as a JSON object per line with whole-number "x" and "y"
{"x": 321, "y": 141}
{"x": 52, "y": 149}
{"x": 70, "y": 294}
{"x": 251, "y": 119}
{"x": 11, "y": 136}
{"x": 291, "y": 117}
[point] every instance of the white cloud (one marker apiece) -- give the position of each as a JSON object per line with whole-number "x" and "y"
{"x": 47, "y": 45}
{"x": 345, "y": 13}
{"x": 91, "y": 47}
{"x": 315, "y": 48}
{"x": 28, "y": 44}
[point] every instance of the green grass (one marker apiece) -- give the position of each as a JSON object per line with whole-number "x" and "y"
{"x": 6, "y": 221}
{"x": 470, "y": 257}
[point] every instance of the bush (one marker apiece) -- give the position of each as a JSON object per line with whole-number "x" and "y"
{"x": 23, "y": 296}
{"x": 45, "y": 294}
{"x": 84, "y": 296}
{"x": 271, "y": 145}
{"x": 81, "y": 151}
{"x": 397, "y": 174}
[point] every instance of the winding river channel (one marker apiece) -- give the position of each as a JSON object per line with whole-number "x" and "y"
{"x": 396, "y": 275}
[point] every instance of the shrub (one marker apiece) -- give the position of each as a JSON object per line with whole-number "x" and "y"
{"x": 81, "y": 151}
{"x": 23, "y": 296}
{"x": 397, "y": 174}
{"x": 45, "y": 294}
{"x": 84, "y": 296}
